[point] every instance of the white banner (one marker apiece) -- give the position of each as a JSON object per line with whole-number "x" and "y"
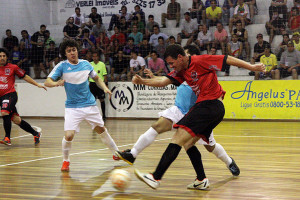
{"x": 129, "y": 100}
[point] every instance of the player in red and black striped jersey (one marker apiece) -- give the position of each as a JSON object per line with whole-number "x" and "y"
{"x": 9, "y": 97}
{"x": 200, "y": 73}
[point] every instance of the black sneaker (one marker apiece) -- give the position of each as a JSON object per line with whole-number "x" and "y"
{"x": 126, "y": 156}
{"x": 37, "y": 138}
{"x": 234, "y": 169}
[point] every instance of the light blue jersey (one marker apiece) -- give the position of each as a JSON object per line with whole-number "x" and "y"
{"x": 185, "y": 98}
{"x": 76, "y": 82}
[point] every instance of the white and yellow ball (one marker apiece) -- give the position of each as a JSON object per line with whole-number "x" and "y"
{"x": 120, "y": 179}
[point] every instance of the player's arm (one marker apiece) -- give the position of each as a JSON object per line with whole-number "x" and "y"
{"x": 51, "y": 83}
{"x": 102, "y": 85}
{"x": 156, "y": 81}
{"x": 240, "y": 63}
{"x": 28, "y": 79}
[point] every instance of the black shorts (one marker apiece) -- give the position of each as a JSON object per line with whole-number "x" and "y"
{"x": 96, "y": 91}
{"x": 202, "y": 118}
{"x": 8, "y": 103}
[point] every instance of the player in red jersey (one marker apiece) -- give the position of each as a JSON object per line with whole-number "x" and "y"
{"x": 9, "y": 98}
{"x": 200, "y": 73}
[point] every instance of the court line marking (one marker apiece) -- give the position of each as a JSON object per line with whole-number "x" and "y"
{"x": 38, "y": 129}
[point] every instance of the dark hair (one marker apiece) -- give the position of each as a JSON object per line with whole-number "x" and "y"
{"x": 51, "y": 42}
{"x": 130, "y": 38}
{"x": 172, "y": 37}
{"x": 8, "y": 30}
{"x": 156, "y": 26}
{"x": 137, "y": 6}
{"x": 134, "y": 51}
{"x": 187, "y": 13}
{"x": 47, "y": 31}
{"x": 24, "y": 31}
{"x": 173, "y": 51}
{"x": 150, "y": 16}
{"x": 135, "y": 18}
{"x": 286, "y": 35}
{"x": 97, "y": 52}
{"x": 64, "y": 45}
{"x": 160, "y": 37}
{"x": 85, "y": 31}
{"x": 77, "y": 8}
{"x": 153, "y": 51}
{"x": 122, "y": 17}
{"x": 192, "y": 49}
{"x": 295, "y": 8}
{"x": 94, "y": 8}
{"x": 4, "y": 51}
{"x": 42, "y": 26}
{"x": 124, "y": 7}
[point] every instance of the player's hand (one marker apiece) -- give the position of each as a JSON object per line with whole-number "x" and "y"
{"x": 259, "y": 67}
{"x": 148, "y": 73}
{"x": 60, "y": 83}
{"x": 137, "y": 79}
{"x": 41, "y": 86}
{"x": 107, "y": 91}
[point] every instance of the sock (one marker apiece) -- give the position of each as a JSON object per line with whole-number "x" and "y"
{"x": 66, "y": 147}
{"x": 220, "y": 153}
{"x": 108, "y": 141}
{"x": 195, "y": 157}
{"x": 103, "y": 108}
{"x": 166, "y": 160}
{"x": 27, "y": 127}
{"x": 144, "y": 141}
{"x": 7, "y": 125}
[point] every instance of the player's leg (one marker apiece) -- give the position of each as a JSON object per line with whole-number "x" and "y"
{"x": 7, "y": 127}
{"x": 66, "y": 147}
{"x": 102, "y": 103}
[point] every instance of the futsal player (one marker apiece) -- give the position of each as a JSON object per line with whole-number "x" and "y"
{"x": 80, "y": 104}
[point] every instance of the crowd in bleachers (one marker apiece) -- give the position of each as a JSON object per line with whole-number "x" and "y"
{"x": 131, "y": 42}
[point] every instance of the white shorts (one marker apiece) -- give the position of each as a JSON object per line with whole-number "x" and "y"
{"x": 73, "y": 117}
{"x": 175, "y": 115}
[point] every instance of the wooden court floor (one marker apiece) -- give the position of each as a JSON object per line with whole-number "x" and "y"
{"x": 268, "y": 154}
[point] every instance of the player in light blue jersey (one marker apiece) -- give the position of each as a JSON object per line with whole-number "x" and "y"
{"x": 184, "y": 100}
{"x": 73, "y": 74}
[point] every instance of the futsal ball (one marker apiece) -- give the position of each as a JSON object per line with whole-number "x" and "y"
{"x": 120, "y": 179}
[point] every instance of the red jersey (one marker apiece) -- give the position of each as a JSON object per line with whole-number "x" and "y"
{"x": 7, "y": 78}
{"x": 201, "y": 76}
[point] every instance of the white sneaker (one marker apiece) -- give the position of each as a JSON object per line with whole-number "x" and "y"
{"x": 148, "y": 179}
{"x": 199, "y": 185}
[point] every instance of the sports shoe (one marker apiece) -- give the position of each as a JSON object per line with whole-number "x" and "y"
{"x": 37, "y": 138}
{"x": 116, "y": 158}
{"x": 148, "y": 179}
{"x": 126, "y": 156}
{"x": 65, "y": 166}
{"x": 233, "y": 168}
{"x": 199, "y": 185}
{"x": 6, "y": 141}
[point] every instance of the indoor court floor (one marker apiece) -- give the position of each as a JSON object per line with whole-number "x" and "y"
{"x": 267, "y": 153}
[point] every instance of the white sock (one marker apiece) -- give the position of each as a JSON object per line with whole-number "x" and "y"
{"x": 144, "y": 140}
{"x": 108, "y": 141}
{"x": 220, "y": 153}
{"x": 66, "y": 147}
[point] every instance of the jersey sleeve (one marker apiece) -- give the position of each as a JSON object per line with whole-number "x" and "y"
{"x": 57, "y": 72}
{"x": 211, "y": 62}
{"x": 93, "y": 74}
{"x": 19, "y": 72}
{"x": 175, "y": 77}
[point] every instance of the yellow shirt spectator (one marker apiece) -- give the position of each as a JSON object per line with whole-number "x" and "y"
{"x": 297, "y": 46}
{"x": 213, "y": 13}
{"x": 269, "y": 62}
{"x": 100, "y": 69}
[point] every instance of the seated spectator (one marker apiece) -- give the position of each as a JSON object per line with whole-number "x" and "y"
{"x": 149, "y": 26}
{"x": 280, "y": 7}
{"x": 259, "y": 48}
{"x": 270, "y": 61}
{"x": 235, "y": 47}
{"x": 26, "y": 38}
{"x": 140, "y": 25}
{"x": 282, "y": 46}
{"x": 137, "y": 65}
{"x": 275, "y": 26}
{"x": 241, "y": 13}
{"x": 145, "y": 49}
{"x": 102, "y": 43}
{"x": 113, "y": 50}
{"x": 289, "y": 62}
{"x": 139, "y": 13}
{"x": 242, "y": 35}
{"x": 189, "y": 28}
{"x": 89, "y": 41}
{"x": 124, "y": 26}
{"x": 213, "y": 51}
{"x": 196, "y": 10}
{"x": 70, "y": 30}
{"x": 93, "y": 17}
{"x": 161, "y": 47}
{"x": 213, "y": 14}
{"x": 206, "y": 5}
{"x": 119, "y": 68}
{"x": 294, "y": 20}
{"x": 98, "y": 28}
{"x": 129, "y": 48}
{"x": 173, "y": 13}
{"x": 10, "y": 41}
{"x": 157, "y": 65}
{"x": 25, "y": 54}
{"x": 88, "y": 55}
{"x": 115, "y": 18}
{"x": 52, "y": 56}
{"x": 252, "y": 7}
{"x": 120, "y": 36}
{"x": 296, "y": 41}
{"x": 204, "y": 39}
{"x": 78, "y": 18}
{"x": 137, "y": 36}
{"x": 297, "y": 3}
{"x": 154, "y": 37}
{"x": 228, "y": 10}
{"x": 171, "y": 40}
{"x": 221, "y": 38}
{"x": 48, "y": 39}
{"x": 16, "y": 55}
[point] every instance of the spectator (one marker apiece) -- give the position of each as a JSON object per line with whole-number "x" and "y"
{"x": 296, "y": 41}
{"x": 52, "y": 56}
{"x": 173, "y": 12}
{"x": 294, "y": 20}
{"x": 252, "y": 7}
{"x": 235, "y": 47}
{"x": 140, "y": 14}
{"x": 270, "y": 61}
{"x": 189, "y": 28}
{"x": 129, "y": 48}
{"x": 93, "y": 17}
{"x": 124, "y": 26}
{"x": 149, "y": 26}
{"x": 145, "y": 49}
{"x": 26, "y": 38}
{"x": 242, "y": 35}
{"x": 78, "y": 18}
{"x": 113, "y": 50}
{"x": 10, "y": 41}
{"x": 48, "y": 39}
{"x": 228, "y": 10}
{"x": 204, "y": 39}
{"x": 196, "y": 10}
{"x": 98, "y": 28}
{"x": 172, "y": 40}
{"x": 137, "y": 65}
{"x": 119, "y": 68}
{"x": 221, "y": 38}
{"x": 213, "y": 51}
{"x": 157, "y": 65}
{"x": 161, "y": 47}
{"x": 38, "y": 44}
{"x": 88, "y": 40}
{"x": 89, "y": 55}
{"x": 241, "y": 13}
{"x": 282, "y": 46}
{"x": 120, "y": 36}
{"x": 213, "y": 14}
{"x": 137, "y": 36}
{"x": 154, "y": 37}
{"x": 115, "y": 19}
{"x": 16, "y": 55}
{"x": 70, "y": 30}
{"x": 259, "y": 49}
{"x": 102, "y": 44}
{"x": 140, "y": 25}
{"x": 275, "y": 26}
{"x": 206, "y": 5}
{"x": 289, "y": 62}
{"x": 24, "y": 63}
{"x": 280, "y": 7}
{"x": 297, "y": 3}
